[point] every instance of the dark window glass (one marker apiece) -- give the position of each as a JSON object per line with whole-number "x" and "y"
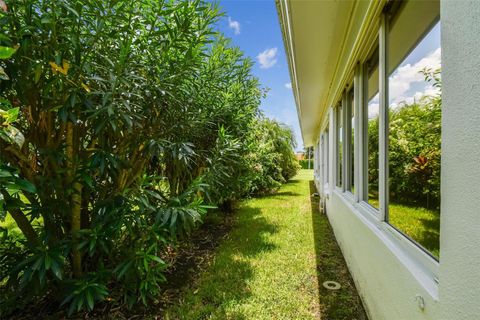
{"x": 351, "y": 106}
{"x": 372, "y": 132}
{"x": 339, "y": 145}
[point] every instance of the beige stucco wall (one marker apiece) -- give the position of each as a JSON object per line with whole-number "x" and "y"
{"x": 389, "y": 276}
{"x": 460, "y": 211}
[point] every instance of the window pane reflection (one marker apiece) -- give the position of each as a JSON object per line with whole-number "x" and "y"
{"x": 414, "y": 141}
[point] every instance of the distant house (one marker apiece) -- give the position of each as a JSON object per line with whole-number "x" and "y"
{"x": 300, "y": 156}
{"x": 371, "y": 101}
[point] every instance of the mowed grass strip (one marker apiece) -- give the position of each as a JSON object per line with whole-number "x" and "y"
{"x": 267, "y": 268}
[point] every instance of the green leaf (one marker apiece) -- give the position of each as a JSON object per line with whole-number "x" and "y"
{"x": 13, "y": 202}
{"x": 5, "y": 102}
{"x": 46, "y": 19}
{"x": 123, "y": 268}
{"x": 38, "y": 73}
{"x": 26, "y": 185}
{"x": 2, "y": 211}
{"x": 12, "y": 115}
{"x": 12, "y": 135}
{"x": 89, "y": 296}
{"x": 6, "y": 52}
{"x": 56, "y": 269}
{"x": 145, "y": 264}
{"x": 5, "y": 174}
{"x": 157, "y": 259}
{"x": 3, "y": 74}
{"x": 48, "y": 261}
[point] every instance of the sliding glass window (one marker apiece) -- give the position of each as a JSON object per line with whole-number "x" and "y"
{"x": 326, "y": 152}
{"x": 414, "y": 123}
{"x": 350, "y": 135}
{"x": 372, "y": 127}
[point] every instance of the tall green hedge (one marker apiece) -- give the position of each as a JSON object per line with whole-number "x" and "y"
{"x": 122, "y": 123}
{"x": 305, "y": 162}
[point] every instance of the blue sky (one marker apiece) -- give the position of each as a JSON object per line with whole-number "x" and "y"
{"x": 253, "y": 26}
{"x": 406, "y": 84}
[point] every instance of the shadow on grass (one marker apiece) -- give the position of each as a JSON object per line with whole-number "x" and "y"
{"x": 254, "y": 232}
{"x": 278, "y": 195}
{"x": 292, "y": 181}
{"x": 339, "y": 304}
{"x": 285, "y": 194}
{"x": 227, "y": 281}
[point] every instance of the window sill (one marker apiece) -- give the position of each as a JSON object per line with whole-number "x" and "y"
{"x": 420, "y": 264}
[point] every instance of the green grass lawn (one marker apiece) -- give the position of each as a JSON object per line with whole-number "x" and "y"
{"x": 270, "y": 266}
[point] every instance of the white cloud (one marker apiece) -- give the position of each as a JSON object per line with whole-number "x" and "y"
{"x": 373, "y": 109}
{"x": 407, "y": 84}
{"x": 400, "y": 83}
{"x": 288, "y": 85}
{"x": 373, "y": 106}
{"x": 267, "y": 58}
{"x": 235, "y": 25}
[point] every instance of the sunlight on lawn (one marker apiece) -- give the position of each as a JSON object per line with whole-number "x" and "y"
{"x": 269, "y": 267}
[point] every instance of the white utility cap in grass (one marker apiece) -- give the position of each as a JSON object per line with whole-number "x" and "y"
{"x": 331, "y": 285}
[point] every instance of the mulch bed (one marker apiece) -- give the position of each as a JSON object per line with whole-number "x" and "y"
{"x": 187, "y": 259}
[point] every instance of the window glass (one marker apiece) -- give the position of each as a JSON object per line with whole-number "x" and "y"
{"x": 326, "y": 145}
{"x": 351, "y": 105}
{"x": 415, "y": 125}
{"x": 339, "y": 145}
{"x": 372, "y": 132}
{"x": 322, "y": 158}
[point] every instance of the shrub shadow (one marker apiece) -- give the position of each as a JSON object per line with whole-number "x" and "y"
{"x": 286, "y": 194}
{"x": 226, "y": 282}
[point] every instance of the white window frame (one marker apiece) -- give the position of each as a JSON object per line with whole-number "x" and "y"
{"x": 420, "y": 262}
{"x": 362, "y": 148}
{"x": 384, "y": 132}
{"x": 325, "y": 159}
{"x": 348, "y": 163}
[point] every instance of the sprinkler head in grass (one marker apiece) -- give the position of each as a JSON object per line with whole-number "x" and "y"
{"x": 331, "y": 285}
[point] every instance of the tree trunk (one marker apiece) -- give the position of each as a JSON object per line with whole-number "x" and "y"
{"x": 75, "y": 227}
{"x": 76, "y": 201}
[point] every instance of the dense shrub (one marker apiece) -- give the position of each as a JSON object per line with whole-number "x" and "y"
{"x": 306, "y": 163}
{"x": 271, "y": 155}
{"x": 122, "y": 122}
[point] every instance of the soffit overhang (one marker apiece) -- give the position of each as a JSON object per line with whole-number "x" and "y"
{"x": 322, "y": 41}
